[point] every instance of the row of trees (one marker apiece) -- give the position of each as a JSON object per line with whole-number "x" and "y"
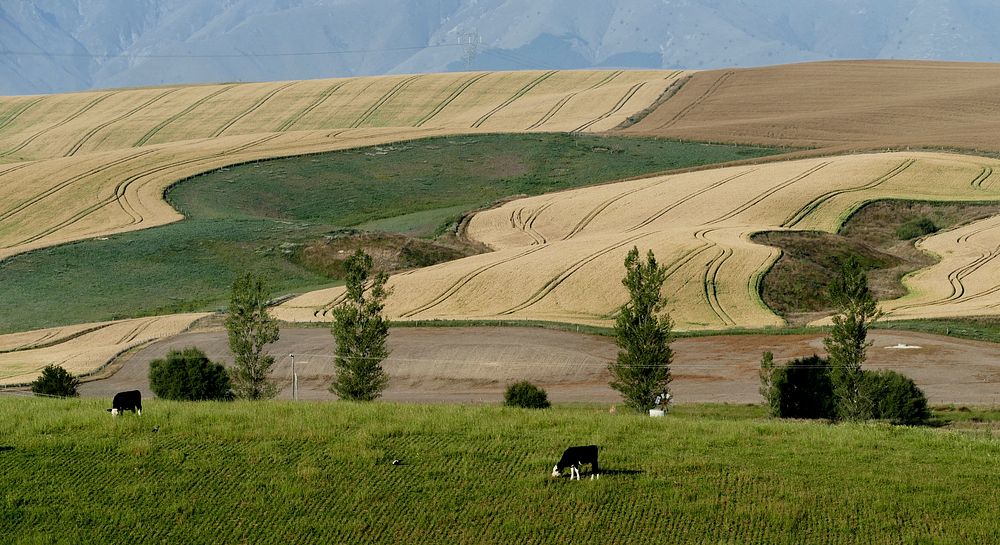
{"x": 836, "y": 387}
{"x": 359, "y": 328}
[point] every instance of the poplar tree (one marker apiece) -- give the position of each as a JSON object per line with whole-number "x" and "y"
{"x": 250, "y": 328}
{"x": 848, "y": 342}
{"x": 361, "y": 332}
{"x": 642, "y": 368}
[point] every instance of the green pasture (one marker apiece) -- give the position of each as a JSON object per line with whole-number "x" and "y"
{"x": 257, "y": 216}
{"x": 280, "y": 472}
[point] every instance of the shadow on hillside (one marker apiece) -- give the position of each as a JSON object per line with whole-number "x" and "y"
{"x": 4, "y": 448}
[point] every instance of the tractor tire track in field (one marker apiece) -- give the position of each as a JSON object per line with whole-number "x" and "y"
{"x": 16, "y": 113}
{"x": 710, "y": 282}
{"x": 159, "y": 127}
{"x": 122, "y": 187}
{"x": 464, "y": 280}
{"x": 90, "y": 134}
{"x": 520, "y": 93}
{"x": 977, "y": 182}
{"x": 526, "y": 225}
{"x": 559, "y": 105}
{"x": 370, "y": 112}
{"x": 768, "y": 192}
{"x": 86, "y": 108}
{"x": 69, "y": 181}
{"x": 450, "y": 98}
{"x": 956, "y": 277}
{"x": 253, "y": 108}
{"x": 325, "y": 309}
{"x": 53, "y": 338}
{"x": 555, "y": 281}
{"x": 308, "y": 109}
{"x": 618, "y": 106}
{"x": 663, "y": 211}
{"x": 820, "y": 200}
{"x": 136, "y": 331}
{"x": 696, "y": 102}
{"x": 16, "y": 168}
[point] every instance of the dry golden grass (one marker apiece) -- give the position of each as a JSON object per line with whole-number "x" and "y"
{"x": 559, "y": 256}
{"x": 857, "y": 105}
{"x": 81, "y": 349}
{"x": 89, "y": 164}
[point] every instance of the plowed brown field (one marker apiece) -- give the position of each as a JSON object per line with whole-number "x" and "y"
{"x": 859, "y": 105}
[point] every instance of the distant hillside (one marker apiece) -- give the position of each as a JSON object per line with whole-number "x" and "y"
{"x": 61, "y": 45}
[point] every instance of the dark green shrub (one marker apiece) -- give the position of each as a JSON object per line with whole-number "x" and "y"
{"x": 55, "y": 381}
{"x": 526, "y": 395}
{"x": 916, "y": 227}
{"x": 894, "y": 397}
{"x": 802, "y": 389}
{"x": 189, "y": 375}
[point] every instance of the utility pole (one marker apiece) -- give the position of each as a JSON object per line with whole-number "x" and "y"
{"x": 470, "y": 47}
{"x": 295, "y": 380}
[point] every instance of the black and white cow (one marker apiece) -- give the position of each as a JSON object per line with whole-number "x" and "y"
{"x": 126, "y": 401}
{"x": 574, "y": 457}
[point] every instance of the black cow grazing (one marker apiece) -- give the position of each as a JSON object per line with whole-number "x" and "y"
{"x": 126, "y": 401}
{"x": 574, "y": 457}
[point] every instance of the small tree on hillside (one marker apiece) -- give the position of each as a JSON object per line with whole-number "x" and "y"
{"x": 847, "y": 343}
{"x": 361, "y": 332}
{"x": 642, "y": 369}
{"x": 55, "y": 381}
{"x": 250, "y": 328}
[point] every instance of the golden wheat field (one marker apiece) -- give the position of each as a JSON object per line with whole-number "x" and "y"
{"x": 81, "y": 165}
{"x": 559, "y": 256}
{"x": 81, "y": 349}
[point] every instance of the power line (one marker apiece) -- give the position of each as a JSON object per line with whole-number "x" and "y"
{"x": 219, "y": 55}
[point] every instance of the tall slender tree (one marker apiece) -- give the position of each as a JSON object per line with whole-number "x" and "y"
{"x": 848, "y": 342}
{"x": 642, "y": 369}
{"x": 250, "y": 329}
{"x": 361, "y": 332}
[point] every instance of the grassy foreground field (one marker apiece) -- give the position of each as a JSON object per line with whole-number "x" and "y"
{"x": 260, "y": 216}
{"x": 322, "y": 473}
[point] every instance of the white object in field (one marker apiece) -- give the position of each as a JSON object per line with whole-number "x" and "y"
{"x": 903, "y": 346}
{"x": 657, "y": 412}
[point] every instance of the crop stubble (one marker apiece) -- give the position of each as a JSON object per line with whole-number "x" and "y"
{"x": 559, "y": 256}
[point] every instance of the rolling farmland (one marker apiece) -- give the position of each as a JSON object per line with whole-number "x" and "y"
{"x": 559, "y": 256}
{"x": 841, "y": 106}
{"x": 82, "y": 165}
{"x": 81, "y": 349}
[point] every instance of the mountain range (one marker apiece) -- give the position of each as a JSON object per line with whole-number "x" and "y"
{"x": 67, "y": 45}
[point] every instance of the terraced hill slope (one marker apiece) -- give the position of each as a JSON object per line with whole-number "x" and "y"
{"x": 81, "y": 165}
{"x": 865, "y": 105}
{"x": 559, "y": 256}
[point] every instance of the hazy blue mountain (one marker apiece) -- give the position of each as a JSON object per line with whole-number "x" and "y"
{"x": 61, "y": 45}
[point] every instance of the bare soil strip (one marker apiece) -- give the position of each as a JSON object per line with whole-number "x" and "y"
{"x": 474, "y": 365}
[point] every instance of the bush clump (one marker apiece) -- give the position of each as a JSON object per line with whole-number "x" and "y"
{"x": 916, "y": 227}
{"x": 802, "y": 389}
{"x": 55, "y": 381}
{"x": 189, "y": 375}
{"x": 894, "y": 397}
{"x": 526, "y": 395}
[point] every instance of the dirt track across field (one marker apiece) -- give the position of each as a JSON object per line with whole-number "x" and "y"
{"x": 838, "y": 106}
{"x": 473, "y": 365}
